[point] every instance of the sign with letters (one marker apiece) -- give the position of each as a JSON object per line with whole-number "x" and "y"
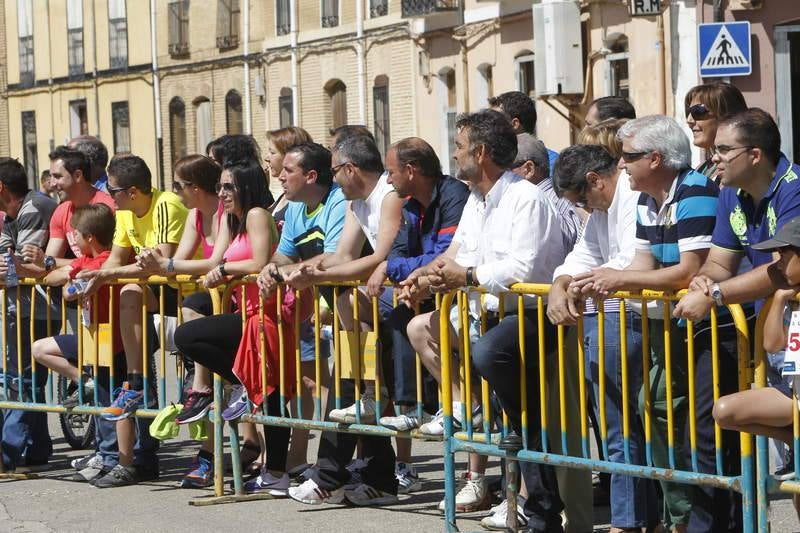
{"x": 643, "y": 8}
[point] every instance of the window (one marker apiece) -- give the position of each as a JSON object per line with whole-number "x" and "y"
{"x": 330, "y": 13}
{"x": 202, "y": 119}
{"x": 448, "y": 105}
{"x": 337, "y": 99}
{"x": 380, "y": 100}
{"x": 228, "y": 23}
{"x": 179, "y": 28}
{"x": 25, "y": 32}
{"x": 117, "y": 34}
{"x": 285, "y": 108}
{"x": 283, "y": 24}
{"x": 233, "y": 112}
{"x": 378, "y": 8}
{"x": 75, "y": 36}
{"x": 525, "y": 76}
{"x": 30, "y": 153}
{"x": 485, "y": 84}
{"x": 177, "y": 128}
{"x": 78, "y": 119}
{"x": 121, "y": 124}
{"x": 618, "y": 80}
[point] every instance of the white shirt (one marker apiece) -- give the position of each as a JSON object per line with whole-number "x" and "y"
{"x": 368, "y": 211}
{"x": 513, "y": 235}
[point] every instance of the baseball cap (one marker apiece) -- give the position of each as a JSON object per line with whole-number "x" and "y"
{"x": 788, "y": 235}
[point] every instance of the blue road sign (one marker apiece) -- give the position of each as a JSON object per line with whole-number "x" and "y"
{"x": 724, "y": 49}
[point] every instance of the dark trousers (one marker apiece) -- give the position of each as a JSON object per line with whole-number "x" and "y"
{"x": 336, "y": 451}
{"x": 715, "y": 510}
{"x": 213, "y": 341}
{"x": 405, "y": 362}
{"x": 496, "y": 358}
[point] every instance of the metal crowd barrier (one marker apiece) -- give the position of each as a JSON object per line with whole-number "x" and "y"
{"x": 486, "y": 443}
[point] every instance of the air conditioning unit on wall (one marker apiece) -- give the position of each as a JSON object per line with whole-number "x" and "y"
{"x": 557, "y": 44}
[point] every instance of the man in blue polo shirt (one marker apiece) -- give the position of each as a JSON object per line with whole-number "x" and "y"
{"x": 761, "y": 193}
{"x": 674, "y": 223}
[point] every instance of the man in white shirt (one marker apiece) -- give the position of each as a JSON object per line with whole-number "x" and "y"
{"x": 508, "y": 233}
{"x": 588, "y": 175}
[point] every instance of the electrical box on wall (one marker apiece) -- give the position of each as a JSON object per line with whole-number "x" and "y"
{"x": 558, "y": 51}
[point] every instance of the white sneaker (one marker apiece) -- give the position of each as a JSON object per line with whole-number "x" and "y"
{"x": 436, "y": 426}
{"x": 404, "y": 422}
{"x": 473, "y": 496}
{"x": 407, "y": 478}
{"x": 348, "y": 414}
{"x": 310, "y": 494}
{"x": 497, "y": 520}
{"x": 364, "y": 495}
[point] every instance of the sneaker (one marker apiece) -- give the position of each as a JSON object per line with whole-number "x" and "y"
{"x": 268, "y": 484}
{"x": 473, "y": 496}
{"x": 407, "y": 478}
{"x": 88, "y": 395}
{"x": 238, "y": 404}
{"x": 83, "y": 462}
{"x": 119, "y": 476}
{"x": 93, "y": 467}
{"x": 195, "y": 407}
{"x": 126, "y": 403}
{"x": 496, "y": 521}
{"x": 405, "y": 422}
{"x": 200, "y": 474}
{"x": 364, "y": 495}
{"x": 436, "y": 426}
{"x": 348, "y": 414}
{"x": 310, "y": 494}
{"x": 355, "y": 467}
{"x": 786, "y": 473}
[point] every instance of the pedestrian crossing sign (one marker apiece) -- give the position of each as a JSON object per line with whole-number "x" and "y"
{"x": 724, "y": 49}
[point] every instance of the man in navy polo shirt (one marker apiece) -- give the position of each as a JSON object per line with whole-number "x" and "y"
{"x": 761, "y": 193}
{"x": 674, "y": 223}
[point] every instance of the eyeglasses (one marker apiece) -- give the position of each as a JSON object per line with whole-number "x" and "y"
{"x": 335, "y": 170}
{"x": 723, "y": 150}
{"x": 116, "y": 190}
{"x": 630, "y": 157}
{"x": 228, "y": 187}
{"x": 698, "y": 111}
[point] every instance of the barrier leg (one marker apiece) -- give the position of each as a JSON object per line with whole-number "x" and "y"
{"x": 449, "y": 481}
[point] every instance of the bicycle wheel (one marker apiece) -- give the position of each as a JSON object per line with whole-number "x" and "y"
{"x": 78, "y": 429}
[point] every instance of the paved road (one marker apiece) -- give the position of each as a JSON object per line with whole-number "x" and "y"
{"x": 51, "y": 504}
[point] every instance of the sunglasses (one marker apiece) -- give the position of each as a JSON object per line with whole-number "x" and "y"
{"x": 178, "y": 186}
{"x": 116, "y": 190}
{"x": 630, "y": 157}
{"x": 229, "y": 188}
{"x": 698, "y": 111}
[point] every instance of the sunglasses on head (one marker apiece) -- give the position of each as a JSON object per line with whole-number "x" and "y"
{"x": 227, "y": 187}
{"x": 698, "y": 111}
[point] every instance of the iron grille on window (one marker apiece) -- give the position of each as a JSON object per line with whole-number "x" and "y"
{"x": 75, "y": 51}
{"x": 121, "y": 124}
{"x": 285, "y": 110}
{"x": 118, "y": 42}
{"x": 179, "y": 28}
{"x": 283, "y": 17}
{"x": 378, "y": 8}
{"x": 26, "y": 74}
{"x": 330, "y": 13}
{"x": 228, "y": 23}
{"x": 419, "y": 8}
{"x": 380, "y": 100}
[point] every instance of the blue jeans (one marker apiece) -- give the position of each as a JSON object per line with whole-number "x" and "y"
{"x": 633, "y": 499}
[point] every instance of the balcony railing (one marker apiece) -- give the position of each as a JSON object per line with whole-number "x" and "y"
{"x": 421, "y": 8}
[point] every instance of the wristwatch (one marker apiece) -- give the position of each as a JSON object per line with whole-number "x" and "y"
{"x": 276, "y": 273}
{"x": 170, "y": 266}
{"x": 221, "y": 267}
{"x": 716, "y": 294}
{"x": 471, "y": 280}
{"x": 49, "y": 263}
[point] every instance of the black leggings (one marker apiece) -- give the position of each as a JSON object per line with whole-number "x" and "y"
{"x": 213, "y": 341}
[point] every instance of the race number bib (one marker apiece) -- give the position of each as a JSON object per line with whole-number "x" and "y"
{"x": 791, "y": 364}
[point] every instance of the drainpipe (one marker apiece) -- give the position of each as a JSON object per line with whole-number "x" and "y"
{"x": 661, "y": 95}
{"x": 362, "y": 75}
{"x": 248, "y": 122}
{"x": 50, "y": 81}
{"x": 156, "y": 96}
{"x": 293, "y": 45}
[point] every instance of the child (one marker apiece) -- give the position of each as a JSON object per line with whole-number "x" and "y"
{"x": 768, "y": 411}
{"x": 94, "y": 232}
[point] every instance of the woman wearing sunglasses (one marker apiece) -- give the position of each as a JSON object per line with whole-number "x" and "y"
{"x": 706, "y": 105}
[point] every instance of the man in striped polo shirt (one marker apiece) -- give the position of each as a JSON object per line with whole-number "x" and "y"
{"x": 674, "y": 222}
